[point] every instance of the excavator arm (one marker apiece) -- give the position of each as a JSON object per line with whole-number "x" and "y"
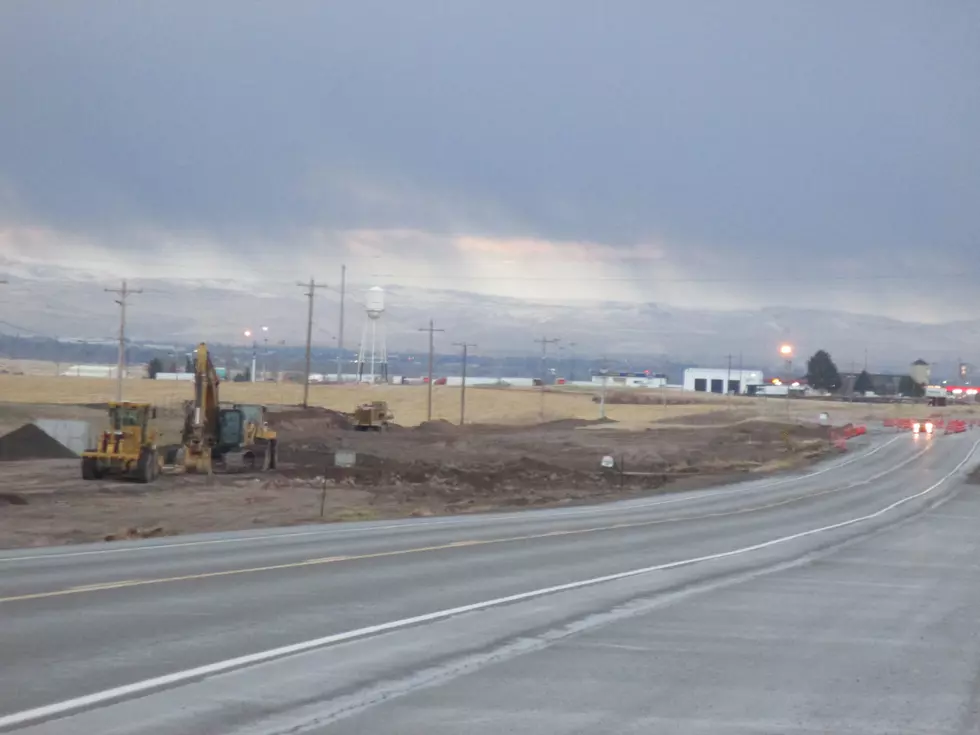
{"x": 202, "y": 427}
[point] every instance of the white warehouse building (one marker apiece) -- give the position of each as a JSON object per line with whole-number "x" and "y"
{"x": 712, "y": 380}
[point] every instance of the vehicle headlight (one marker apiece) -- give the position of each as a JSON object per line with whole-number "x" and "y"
{"x": 916, "y": 427}
{"x": 929, "y": 427}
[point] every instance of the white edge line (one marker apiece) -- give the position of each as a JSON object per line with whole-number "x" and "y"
{"x": 694, "y": 495}
{"x": 140, "y": 687}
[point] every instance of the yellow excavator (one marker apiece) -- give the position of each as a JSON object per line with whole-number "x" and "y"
{"x": 127, "y": 447}
{"x": 235, "y": 437}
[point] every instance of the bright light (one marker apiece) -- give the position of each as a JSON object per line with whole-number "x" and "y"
{"x": 796, "y": 384}
{"x": 916, "y": 427}
{"x": 929, "y": 427}
{"x": 786, "y": 350}
{"x": 248, "y": 332}
{"x": 777, "y": 381}
{"x": 265, "y": 329}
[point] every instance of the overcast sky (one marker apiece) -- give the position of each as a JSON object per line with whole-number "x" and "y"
{"x": 716, "y": 154}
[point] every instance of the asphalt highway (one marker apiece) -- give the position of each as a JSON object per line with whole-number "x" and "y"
{"x": 841, "y": 600}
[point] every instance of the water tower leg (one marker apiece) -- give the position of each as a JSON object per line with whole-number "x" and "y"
{"x": 374, "y": 340}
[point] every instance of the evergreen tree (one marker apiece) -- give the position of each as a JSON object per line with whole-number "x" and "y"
{"x": 863, "y": 383}
{"x": 154, "y": 366}
{"x": 821, "y": 372}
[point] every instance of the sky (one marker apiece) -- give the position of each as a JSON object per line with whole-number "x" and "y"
{"x": 709, "y": 154}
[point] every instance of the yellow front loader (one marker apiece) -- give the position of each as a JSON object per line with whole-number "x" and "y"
{"x": 127, "y": 447}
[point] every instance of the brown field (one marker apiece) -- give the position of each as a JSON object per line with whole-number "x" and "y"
{"x": 483, "y": 405}
{"x": 432, "y": 469}
{"x": 409, "y": 402}
{"x": 504, "y": 458}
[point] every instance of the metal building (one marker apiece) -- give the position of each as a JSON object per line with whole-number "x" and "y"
{"x": 712, "y": 380}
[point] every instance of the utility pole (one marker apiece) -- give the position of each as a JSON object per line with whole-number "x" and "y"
{"x": 431, "y": 330}
{"x": 544, "y": 341}
{"x": 604, "y": 372}
{"x": 462, "y": 395}
{"x": 728, "y": 383}
{"x": 340, "y": 328}
{"x": 124, "y": 293}
{"x": 312, "y": 286}
{"x": 571, "y": 368}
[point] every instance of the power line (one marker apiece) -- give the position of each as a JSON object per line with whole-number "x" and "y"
{"x": 124, "y": 293}
{"x": 462, "y": 395}
{"x": 544, "y": 342}
{"x": 340, "y": 328}
{"x": 431, "y": 330}
{"x": 312, "y": 286}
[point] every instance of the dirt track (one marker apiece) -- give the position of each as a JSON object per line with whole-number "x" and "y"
{"x": 431, "y": 469}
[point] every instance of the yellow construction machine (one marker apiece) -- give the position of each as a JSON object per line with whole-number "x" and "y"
{"x": 127, "y": 447}
{"x": 236, "y": 437}
{"x": 373, "y": 416}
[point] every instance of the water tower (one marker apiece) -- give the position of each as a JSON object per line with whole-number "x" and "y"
{"x": 373, "y": 354}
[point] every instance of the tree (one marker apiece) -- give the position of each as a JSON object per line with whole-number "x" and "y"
{"x": 863, "y": 383}
{"x": 154, "y": 366}
{"x": 821, "y": 372}
{"x": 909, "y": 388}
{"x": 245, "y": 377}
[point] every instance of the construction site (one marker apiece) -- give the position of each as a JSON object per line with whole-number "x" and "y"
{"x": 518, "y": 448}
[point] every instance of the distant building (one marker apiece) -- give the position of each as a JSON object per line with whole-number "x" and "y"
{"x": 712, "y": 380}
{"x": 882, "y": 384}
{"x": 103, "y": 371}
{"x": 646, "y": 379}
{"x": 920, "y": 372}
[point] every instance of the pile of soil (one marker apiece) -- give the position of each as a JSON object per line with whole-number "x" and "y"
{"x": 437, "y": 426}
{"x": 322, "y": 418}
{"x": 31, "y": 442}
{"x": 635, "y": 398}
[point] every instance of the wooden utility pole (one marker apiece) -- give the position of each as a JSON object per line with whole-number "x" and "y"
{"x": 340, "y": 328}
{"x": 124, "y": 293}
{"x": 544, "y": 342}
{"x": 431, "y": 330}
{"x": 311, "y": 287}
{"x": 462, "y": 395}
{"x": 728, "y": 383}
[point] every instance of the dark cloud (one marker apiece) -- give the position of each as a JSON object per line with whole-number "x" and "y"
{"x": 726, "y": 132}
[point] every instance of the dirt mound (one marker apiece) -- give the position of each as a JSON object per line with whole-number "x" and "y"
{"x": 31, "y": 442}
{"x": 314, "y": 415}
{"x": 574, "y": 423}
{"x": 437, "y": 426}
{"x": 138, "y": 533}
{"x": 634, "y": 398}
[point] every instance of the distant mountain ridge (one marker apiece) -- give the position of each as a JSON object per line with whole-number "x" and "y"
{"x": 52, "y": 302}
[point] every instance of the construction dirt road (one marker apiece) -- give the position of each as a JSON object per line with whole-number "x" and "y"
{"x": 431, "y": 469}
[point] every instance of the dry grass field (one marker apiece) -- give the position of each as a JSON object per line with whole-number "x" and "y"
{"x": 483, "y": 405}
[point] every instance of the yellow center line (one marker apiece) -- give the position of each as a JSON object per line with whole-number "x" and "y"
{"x": 424, "y": 549}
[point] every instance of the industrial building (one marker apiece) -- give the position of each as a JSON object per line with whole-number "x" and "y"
{"x": 104, "y": 371}
{"x": 629, "y": 379}
{"x": 712, "y": 380}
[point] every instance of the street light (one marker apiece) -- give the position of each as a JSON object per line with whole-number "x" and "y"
{"x": 265, "y": 350}
{"x": 786, "y": 351}
{"x": 248, "y": 334}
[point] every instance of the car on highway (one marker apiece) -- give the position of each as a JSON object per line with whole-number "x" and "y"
{"x": 923, "y": 427}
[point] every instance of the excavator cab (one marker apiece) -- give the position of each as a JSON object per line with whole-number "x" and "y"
{"x": 236, "y": 436}
{"x": 127, "y": 447}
